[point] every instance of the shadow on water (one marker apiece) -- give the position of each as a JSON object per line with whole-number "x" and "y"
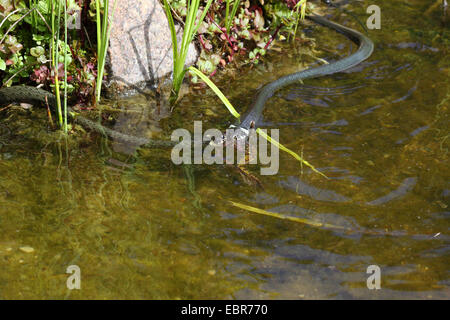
{"x": 139, "y": 226}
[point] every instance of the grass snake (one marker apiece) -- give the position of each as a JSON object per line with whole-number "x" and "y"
{"x": 365, "y": 49}
{"x": 38, "y": 96}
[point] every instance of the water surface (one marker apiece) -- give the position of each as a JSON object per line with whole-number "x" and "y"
{"x": 140, "y": 227}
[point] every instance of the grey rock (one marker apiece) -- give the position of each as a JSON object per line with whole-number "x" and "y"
{"x": 140, "y": 47}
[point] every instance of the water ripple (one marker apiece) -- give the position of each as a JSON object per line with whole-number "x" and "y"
{"x": 300, "y": 187}
{"x": 406, "y": 186}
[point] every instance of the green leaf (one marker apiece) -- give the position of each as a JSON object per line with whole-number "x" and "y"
{"x": 39, "y": 37}
{"x": 37, "y": 51}
{"x": 216, "y": 91}
{"x": 14, "y": 17}
{"x": 309, "y": 222}
{"x": 42, "y": 59}
{"x": 292, "y": 153}
{"x": 42, "y": 7}
{"x": 2, "y": 64}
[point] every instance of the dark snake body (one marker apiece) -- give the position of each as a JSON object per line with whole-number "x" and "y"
{"x": 364, "y": 51}
{"x": 37, "y": 96}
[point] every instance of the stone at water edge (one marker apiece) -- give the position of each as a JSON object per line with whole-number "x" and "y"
{"x": 140, "y": 47}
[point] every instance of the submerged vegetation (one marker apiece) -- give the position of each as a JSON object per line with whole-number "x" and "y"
{"x": 233, "y": 111}
{"x": 58, "y": 63}
{"x": 103, "y": 29}
{"x": 36, "y": 50}
{"x": 136, "y": 223}
{"x": 47, "y": 43}
{"x": 239, "y": 32}
{"x": 190, "y": 30}
{"x": 50, "y": 43}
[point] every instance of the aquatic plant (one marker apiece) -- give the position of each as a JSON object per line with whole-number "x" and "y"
{"x": 286, "y": 14}
{"x": 240, "y": 32}
{"x": 58, "y": 47}
{"x": 103, "y": 32}
{"x": 55, "y": 21}
{"x": 233, "y": 111}
{"x": 190, "y": 30}
{"x": 300, "y": 8}
{"x": 229, "y": 16}
{"x": 38, "y": 45}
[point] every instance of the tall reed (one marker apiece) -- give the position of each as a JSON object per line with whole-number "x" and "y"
{"x": 34, "y": 17}
{"x": 230, "y": 17}
{"x": 190, "y": 30}
{"x": 103, "y": 33}
{"x": 55, "y": 25}
{"x": 300, "y": 8}
{"x": 65, "y": 65}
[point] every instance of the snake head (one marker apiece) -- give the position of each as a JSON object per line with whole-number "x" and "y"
{"x": 234, "y": 135}
{"x": 238, "y": 134}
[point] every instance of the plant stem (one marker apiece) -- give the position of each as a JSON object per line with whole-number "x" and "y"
{"x": 65, "y": 66}
{"x": 103, "y": 32}
{"x": 56, "y": 58}
{"x": 190, "y": 30}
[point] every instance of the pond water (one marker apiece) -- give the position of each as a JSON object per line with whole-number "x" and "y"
{"x": 140, "y": 227}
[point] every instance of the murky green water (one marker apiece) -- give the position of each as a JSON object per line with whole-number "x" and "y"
{"x": 141, "y": 227}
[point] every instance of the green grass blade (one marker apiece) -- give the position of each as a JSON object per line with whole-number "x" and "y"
{"x": 301, "y": 5}
{"x": 189, "y": 25}
{"x": 56, "y": 70}
{"x": 202, "y": 17}
{"x": 98, "y": 21}
{"x": 233, "y": 111}
{"x": 216, "y": 91}
{"x": 227, "y": 14}
{"x": 229, "y": 21}
{"x": 190, "y": 30}
{"x": 107, "y": 35}
{"x": 285, "y": 217}
{"x": 102, "y": 47}
{"x": 65, "y": 66}
{"x": 173, "y": 32}
{"x": 104, "y": 25}
{"x": 292, "y": 153}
